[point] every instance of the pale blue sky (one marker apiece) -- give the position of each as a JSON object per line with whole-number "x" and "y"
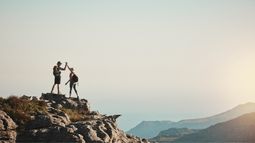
{"x": 144, "y": 59}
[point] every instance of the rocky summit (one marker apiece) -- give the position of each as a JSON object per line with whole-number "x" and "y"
{"x": 55, "y": 118}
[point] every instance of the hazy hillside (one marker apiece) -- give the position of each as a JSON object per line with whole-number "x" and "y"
{"x": 241, "y": 129}
{"x": 172, "y": 134}
{"x": 148, "y": 129}
{"x": 152, "y": 128}
{"x": 225, "y": 116}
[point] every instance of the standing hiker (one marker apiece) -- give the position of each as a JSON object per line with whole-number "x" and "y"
{"x": 73, "y": 79}
{"x": 57, "y": 74}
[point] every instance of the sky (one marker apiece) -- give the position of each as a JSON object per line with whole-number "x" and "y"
{"x": 144, "y": 59}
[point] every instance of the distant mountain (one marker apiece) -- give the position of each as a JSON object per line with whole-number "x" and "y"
{"x": 172, "y": 134}
{"x": 150, "y": 129}
{"x": 241, "y": 129}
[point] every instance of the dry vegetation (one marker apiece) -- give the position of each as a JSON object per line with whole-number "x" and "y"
{"x": 21, "y": 110}
{"x": 74, "y": 115}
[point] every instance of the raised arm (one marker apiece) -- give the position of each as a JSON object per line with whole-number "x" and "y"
{"x": 64, "y": 67}
{"x": 70, "y": 69}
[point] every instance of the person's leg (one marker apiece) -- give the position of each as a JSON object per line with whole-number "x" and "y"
{"x": 59, "y": 81}
{"x": 75, "y": 90}
{"x": 52, "y": 88}
{"x": 58, "y": 88}
{"x": 71, "y": 87}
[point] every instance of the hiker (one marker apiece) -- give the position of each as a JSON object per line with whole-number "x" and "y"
{"x": 73, "y": 79}
{"x": 57, "y": 74}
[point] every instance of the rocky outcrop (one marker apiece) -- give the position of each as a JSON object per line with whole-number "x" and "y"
{"x": 104, "y": 130}
{"x": 51, "y": 118}
{"x": 60, "y": 101}
{"x": 7, "y": 128}
{"x": 70, "y": 120}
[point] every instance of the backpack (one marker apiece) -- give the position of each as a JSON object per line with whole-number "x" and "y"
{"x": 75, "y": 78}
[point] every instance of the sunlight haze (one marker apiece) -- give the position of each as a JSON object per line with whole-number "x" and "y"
{"x": 144, "y": 59}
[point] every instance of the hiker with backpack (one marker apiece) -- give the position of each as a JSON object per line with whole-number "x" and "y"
{"x": 73, "y": 80}
{"x": 57, "y": 75}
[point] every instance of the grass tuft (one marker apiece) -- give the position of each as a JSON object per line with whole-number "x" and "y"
{"x": 21, "y": 110}
{"x": 74, "y": 115}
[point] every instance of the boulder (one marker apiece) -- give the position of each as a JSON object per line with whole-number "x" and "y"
{"x": 51, "y": 134}
{"x": 104, "y": 130}
{"x": 60, "y": 101}
{"x": 51, "y": 118}
{"x": 7, "y": 128}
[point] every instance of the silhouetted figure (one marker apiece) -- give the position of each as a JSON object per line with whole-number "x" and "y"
{"x": 73, "y": 79}
{"x": 57, "y": 74}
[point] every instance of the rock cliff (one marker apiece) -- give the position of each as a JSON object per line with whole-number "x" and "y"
{"x": 55, "y": 118}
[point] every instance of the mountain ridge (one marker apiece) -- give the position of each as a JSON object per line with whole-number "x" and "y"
{"x": 240, "y": 129}
{"x": 199, "y": 123}
{"x": 156, "y": 126}
{"x": 238, "y": 106}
